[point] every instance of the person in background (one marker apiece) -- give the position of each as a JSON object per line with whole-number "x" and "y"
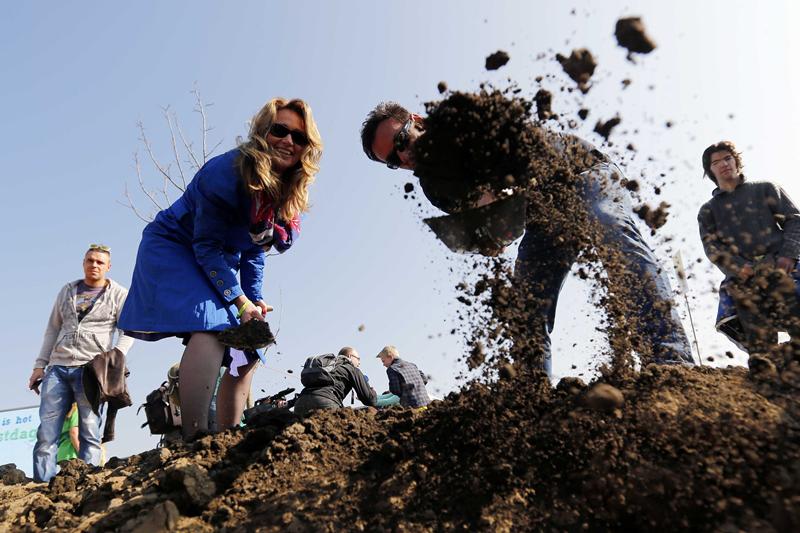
{"x": 84, "y": 322}
{"x": 751, "y": 232}
{"x": 405, "y": 379}
{"x": 345, "y": 376}
{"x": 68, "y": 443}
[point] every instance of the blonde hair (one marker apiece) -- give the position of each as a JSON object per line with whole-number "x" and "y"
{"x": 288, "y": 193}
{"x": 389, "y": 351}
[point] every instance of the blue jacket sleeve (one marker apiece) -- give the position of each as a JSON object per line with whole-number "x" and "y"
{"x": 216, "y": 208}
{"x": 252, "y": 272}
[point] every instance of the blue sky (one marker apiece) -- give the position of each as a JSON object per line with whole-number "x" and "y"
{"x": 78, "y": 77}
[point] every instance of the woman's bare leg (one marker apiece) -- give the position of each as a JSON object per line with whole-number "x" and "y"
{"x": 232, "y": 396}
{"x": 198, "y": 376}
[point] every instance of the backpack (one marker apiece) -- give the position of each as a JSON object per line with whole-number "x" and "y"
{"x": 162, "y": 410}
{"x": 317, "y": 370}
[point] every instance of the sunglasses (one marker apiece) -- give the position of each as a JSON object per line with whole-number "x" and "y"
{"x": 280, "y": 131}
{"x": 401, "y": 140}
{"x": 100, "y": 247}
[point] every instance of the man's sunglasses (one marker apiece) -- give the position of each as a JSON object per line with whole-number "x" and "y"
{"x": 100, "y": 247}
{"x": 401, "y": 140}
{"x": 298, "y": 137}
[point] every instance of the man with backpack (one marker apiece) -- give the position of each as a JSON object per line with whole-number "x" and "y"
{"x": 327, "y": 379}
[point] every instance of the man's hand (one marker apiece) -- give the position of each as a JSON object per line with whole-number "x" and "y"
{"x": 786, "y": 264}
{"x": 745, "y": 272}
{"x": 36, "y": 378}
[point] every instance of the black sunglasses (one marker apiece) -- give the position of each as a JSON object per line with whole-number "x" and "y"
{"x": 401, "y": 140}
{"x": 281, "y": 131}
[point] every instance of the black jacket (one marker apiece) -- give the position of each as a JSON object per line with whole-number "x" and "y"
{"x": 740, "y": 227}
{"x": 346, "y": 377}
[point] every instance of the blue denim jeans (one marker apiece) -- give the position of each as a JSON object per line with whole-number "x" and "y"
{"x": 543, "y": 265}
{"x": 61, "y": 386}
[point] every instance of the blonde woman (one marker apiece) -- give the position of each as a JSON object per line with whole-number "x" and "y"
{"x": 238, "y": 206}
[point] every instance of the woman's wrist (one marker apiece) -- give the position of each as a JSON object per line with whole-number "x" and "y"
{"x": 243, "y": 307}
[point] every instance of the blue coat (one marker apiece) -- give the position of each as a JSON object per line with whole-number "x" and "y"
{"x": 186, "y": 269}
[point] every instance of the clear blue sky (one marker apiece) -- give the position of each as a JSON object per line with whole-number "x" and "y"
{"x": 77, "y": 78}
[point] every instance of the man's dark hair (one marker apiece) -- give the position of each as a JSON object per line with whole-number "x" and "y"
{"x": 722, "y": 146}
{"x": 347, "y": 351}
{"x": 381, "y": 112}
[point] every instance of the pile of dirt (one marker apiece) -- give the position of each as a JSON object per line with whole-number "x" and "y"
{"x": 669, "y": 448}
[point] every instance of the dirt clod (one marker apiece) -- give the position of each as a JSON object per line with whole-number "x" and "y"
{"x": 497, "y": 60}
{"x": 579, "y": 66}
{"x": 631, "y": 34}
{"x": 604, "y": 397}
{"x": 544, "y": 102}
{"x": 604, "y": 128}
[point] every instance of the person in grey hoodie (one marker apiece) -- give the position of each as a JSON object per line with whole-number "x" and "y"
{"x": 751, "y": 232}
{"x": 83, "y": 323}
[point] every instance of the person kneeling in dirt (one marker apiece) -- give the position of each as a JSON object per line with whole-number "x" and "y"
{"x": 577, "y": 205}
{"x": 329, "y": 378}
{"x": 751, "y": 232}
{"x": 405, "y": 379}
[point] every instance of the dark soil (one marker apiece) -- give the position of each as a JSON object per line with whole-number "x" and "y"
{"x": 669, "y": 448}
{"x": 544, "y": 103}
{"x": 251, "y": 335}
{"x": 497, "y": 60}
{"x": 654, "y": 217}
{"x": 579, "y": 66}
{"x": 631, "y": 34}
{"x": 604, "y": 128}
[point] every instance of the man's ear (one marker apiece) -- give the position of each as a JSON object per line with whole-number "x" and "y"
{"x": 417, "y": 118}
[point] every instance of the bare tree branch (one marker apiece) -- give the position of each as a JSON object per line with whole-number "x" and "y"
{"x": 200, "y": 108}
{"x": 170, "y": 179}
{"x": 174, "y": 143}
{"x": 130, "y": 205}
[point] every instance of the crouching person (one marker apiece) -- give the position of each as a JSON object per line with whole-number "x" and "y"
{"x": 328, "y": 379}
{"x": 405, "y": 380}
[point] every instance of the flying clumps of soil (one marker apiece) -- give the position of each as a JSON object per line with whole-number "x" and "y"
{"x": 579, "y": 66}
{"x": 653, "y": 217}
{"x": 497, "y": 60}
{"x": 604, "y": 128}
{"x": 441, "y": 87}
{"x": 544, "y": 102}
{"x": 631, "y": 34}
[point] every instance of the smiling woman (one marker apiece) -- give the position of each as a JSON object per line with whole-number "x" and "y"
{"x": 239, "y": 205}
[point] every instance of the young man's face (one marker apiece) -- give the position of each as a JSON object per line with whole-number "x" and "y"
{"x": 394, "y": 142}
{"x": 723, "y": 166}
{"x": 95, "y": 266}
{"x": 387, "y": 360}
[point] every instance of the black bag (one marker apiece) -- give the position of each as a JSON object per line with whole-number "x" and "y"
{"x": 162, "y": 410}
{"x": 317, "y": 370}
